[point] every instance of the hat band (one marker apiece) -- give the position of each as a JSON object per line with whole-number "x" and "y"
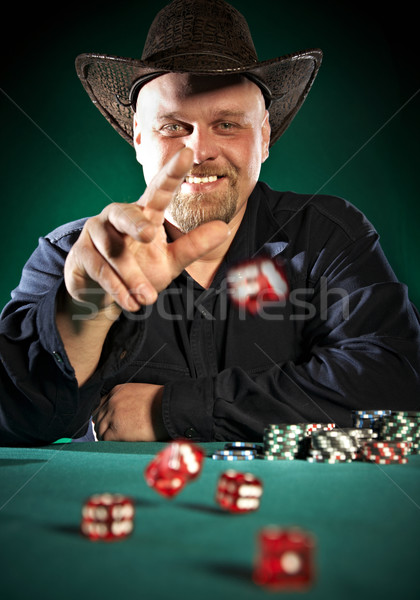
{"x": 178, "y": 52}
{"x": 135, "y": 88}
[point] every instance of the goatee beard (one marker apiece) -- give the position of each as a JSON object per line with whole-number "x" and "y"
{"x": 188, "y": 211}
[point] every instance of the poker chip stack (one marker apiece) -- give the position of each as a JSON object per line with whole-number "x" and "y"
{"x": 371, "y": 419}
{"x": 284, "y": 442}
{"x": 386, "y": 453}
{"x": 289, "y": 442}
{"x": 397, "y": 435}
{"x": 379, "y": 436}
{"x": 238, "y": 451}
{"x": 401, "y": 426}
{"x": 338, "y": 445}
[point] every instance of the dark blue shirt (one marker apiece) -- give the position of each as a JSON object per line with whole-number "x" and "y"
{"x": 346, "y": 338}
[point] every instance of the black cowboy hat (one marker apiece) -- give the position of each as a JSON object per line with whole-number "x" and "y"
{"x": 204, "y": 37}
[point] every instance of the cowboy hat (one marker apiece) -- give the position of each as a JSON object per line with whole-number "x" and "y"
{"x": 203, "y": 37}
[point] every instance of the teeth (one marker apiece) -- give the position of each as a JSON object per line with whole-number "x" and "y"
{"x": 209, "y": 179}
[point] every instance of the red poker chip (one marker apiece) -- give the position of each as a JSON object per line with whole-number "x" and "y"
{"x": 385, "y": 450}
{"x": 315, "y": 427}
{"x": 399, "y": 460}
{"x": 389, "y": 444}
{"x": 374, "y": 457}
{"x": 385, "y": 454}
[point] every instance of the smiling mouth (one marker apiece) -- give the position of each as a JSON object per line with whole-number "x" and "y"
{"x": 207, "y": 179}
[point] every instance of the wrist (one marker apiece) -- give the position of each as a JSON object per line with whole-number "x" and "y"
{"x": 94, "y": 310}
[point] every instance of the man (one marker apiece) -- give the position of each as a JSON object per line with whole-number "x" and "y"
{"x": 125, "y": 317}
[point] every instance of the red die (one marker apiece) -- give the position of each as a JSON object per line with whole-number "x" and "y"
{"x": 255, "y": 282}
{"x": 172, "y": 468}
{"x": 285, "y": 558}
{"x": 107, "y": 517}
{"x": 239, "y": 492}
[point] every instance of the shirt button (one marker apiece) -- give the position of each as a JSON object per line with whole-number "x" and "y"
{"x": 57, "y": 357}
{"x": 123, "y": 354}
{"x": 190, "y": 433}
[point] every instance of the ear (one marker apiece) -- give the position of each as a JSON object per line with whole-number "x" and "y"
{"x": 137, "y": 138}
{"x": 265, "y": 138}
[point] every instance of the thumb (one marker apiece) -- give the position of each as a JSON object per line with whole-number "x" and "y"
{"x": 197, "y": 243}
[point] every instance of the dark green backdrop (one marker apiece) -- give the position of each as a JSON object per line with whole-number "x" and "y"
{"x": 356, "y": 136}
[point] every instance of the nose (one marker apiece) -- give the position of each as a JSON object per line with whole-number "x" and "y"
{"x": 203, "y": 144}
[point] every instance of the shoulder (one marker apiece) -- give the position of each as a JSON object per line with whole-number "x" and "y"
{"x": 66, "y": 235}
{"x": 294, "y": 211}
{"x": 52, "y": 249}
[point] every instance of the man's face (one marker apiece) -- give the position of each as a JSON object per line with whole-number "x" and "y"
{"x": 224, "y": 121}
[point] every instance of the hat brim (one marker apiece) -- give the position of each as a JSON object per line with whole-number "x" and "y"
{"x": 108, "y": 80}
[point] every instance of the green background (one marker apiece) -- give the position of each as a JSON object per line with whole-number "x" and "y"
{"x": 356, "y": 135}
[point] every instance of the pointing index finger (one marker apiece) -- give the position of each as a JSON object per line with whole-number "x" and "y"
{"x": 163, "y": 186}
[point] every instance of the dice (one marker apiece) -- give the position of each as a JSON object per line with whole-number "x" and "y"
{"x": 284, "y": 559}
{"x": 107, "y": 517}
{"x": 238, "y": 492}
{"x": 254, "y": 283}
{"x": 173, "y": 467}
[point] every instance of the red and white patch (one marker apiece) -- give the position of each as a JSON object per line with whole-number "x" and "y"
{"x": 254, "y": 283}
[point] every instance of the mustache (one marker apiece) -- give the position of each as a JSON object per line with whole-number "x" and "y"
{"x": 207, "y": 171}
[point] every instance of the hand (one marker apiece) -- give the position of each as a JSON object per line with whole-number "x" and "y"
{"x": 122, "y": 255}
{"x": 131, "y": 412}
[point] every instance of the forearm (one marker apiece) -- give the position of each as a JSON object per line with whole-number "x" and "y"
{"x": 335, "y": 381}
{"x": 83, "y": 330}
{"x": 40, "y": 398}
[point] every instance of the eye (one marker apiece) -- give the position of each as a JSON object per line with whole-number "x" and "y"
{"x": 226, "y": 126}
{"x": 173, "y": 129}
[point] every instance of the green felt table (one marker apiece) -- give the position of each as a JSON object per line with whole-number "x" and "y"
{"x": 365, "y": 517}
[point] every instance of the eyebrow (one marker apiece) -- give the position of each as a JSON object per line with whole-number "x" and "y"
{"x": 220, "y": 114}
{"x": 171, "y": 115}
